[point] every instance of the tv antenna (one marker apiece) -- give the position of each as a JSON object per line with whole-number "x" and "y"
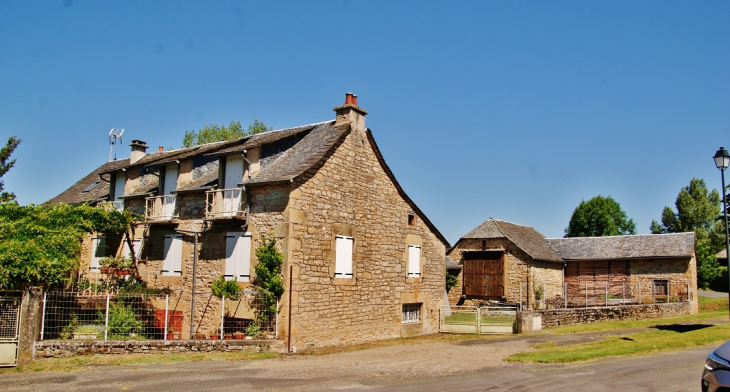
{"x": 115, "y": 137}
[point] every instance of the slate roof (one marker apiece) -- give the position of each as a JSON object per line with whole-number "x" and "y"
{"x": 451, "y": 264}
{"x": 260, "y": 139}
{"x": 645, "y": 246}
{"x": 524, "y": 237}
{"x": 75, "y": 194}
{"x": 296, "y": 160}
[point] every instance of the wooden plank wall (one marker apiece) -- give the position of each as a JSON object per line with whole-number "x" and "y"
{"x": 596, "y": 274}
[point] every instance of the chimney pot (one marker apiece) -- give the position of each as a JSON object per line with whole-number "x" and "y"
{"x": 348, "y": 99}
{"x": 160, "y": 149}
{"x": 354, "y": 99}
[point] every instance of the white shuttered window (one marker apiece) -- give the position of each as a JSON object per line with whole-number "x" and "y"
{"x": 414, "y": 261}
{"x": 238, "y": 257}
{"x": 137, "y": 244}
{"x": 98, "y": 247}
{"x": 172, "y": 263}
{"x": 343, "y": 258}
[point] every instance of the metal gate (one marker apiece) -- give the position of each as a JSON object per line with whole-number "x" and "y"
{"x": 483, "y": 320}
{"x": 9, "y": 328}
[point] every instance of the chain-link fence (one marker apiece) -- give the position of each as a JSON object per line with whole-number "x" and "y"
{"x": 591, "y": 294}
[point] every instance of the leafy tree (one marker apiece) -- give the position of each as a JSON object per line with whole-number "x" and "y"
{"x": 697, "y": 210}
{"x": 41, "y": 244}
{"x": 451, "y": 280}
{"x": 6, "y": 165}
{"x": 597, "y": 217}
{"x": 215, "y": 133}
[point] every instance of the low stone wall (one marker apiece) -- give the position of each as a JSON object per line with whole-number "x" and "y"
{"x": 555, "y": 317}
{"x": 66, "y": 348}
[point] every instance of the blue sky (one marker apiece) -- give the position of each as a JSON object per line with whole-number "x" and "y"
{"x": 512, "y": 110}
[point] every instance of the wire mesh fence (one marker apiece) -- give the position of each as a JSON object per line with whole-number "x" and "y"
{"x": 110, "y": 316}
{"x": 252, "y": 315}
{"x": 132, "y": 316}
{"x": 592, "y": 294}
{"x": 9, "y": 317}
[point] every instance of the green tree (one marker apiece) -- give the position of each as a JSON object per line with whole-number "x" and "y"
{"x": 597, "y": 217}
{"x": 6, "y": 165}
{"x": 697, "y": 210}
{"x": 216, "y": 133}
{"x": 41, "y": 244}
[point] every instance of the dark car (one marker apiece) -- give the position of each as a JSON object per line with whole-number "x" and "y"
{"x": 716, "y": 377}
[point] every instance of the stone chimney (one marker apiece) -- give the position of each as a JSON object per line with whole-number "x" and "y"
{"x": 349, "y": 112}
{"x": 139, "y": 150}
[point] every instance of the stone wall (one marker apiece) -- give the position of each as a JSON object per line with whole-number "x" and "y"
{"x": 351, "y": 194}
{"x": 678, "y": 272}
{"x": 556, "y": 317}
{"x": 518, "y": 265}
{"x": 67, "y": 348}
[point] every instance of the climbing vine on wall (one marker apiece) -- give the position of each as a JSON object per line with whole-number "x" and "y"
{"x": 41, "y": 244}
{"x": 268, "y": 273}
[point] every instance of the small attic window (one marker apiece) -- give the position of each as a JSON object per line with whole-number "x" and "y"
{"x": 411, "y": 219}
{"x": 90, "y": 187}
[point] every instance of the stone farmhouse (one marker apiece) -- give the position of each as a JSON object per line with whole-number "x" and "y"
{"x": 365, "y": 262}
{"x": 506, "y": 262}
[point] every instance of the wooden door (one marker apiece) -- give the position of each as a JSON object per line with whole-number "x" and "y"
{"x": 483, "y": 278}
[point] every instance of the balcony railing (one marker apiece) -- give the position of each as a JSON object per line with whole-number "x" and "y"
{"x": 160, "y": 208}
{"x": 112, "y": 205}
{"x": 224, "y": 203}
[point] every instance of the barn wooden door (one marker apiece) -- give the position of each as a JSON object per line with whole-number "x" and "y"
{"x": 483, "y": 278}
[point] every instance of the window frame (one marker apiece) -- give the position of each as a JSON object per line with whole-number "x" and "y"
{"x": 409, "y": 310}
{"x": 96, "y": 243}
{"x": 414, "y": 266}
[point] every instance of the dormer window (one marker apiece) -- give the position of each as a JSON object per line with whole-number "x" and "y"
{"x": 162, "y": 207}
{"x": 229, "y": 199}
{"x": 92, "y": 186}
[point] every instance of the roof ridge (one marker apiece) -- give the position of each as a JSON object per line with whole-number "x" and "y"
{"x": 621, "y": 236}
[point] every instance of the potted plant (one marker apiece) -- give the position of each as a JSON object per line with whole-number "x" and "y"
{"x": 214, "y": 336}
{"x": 253, "y": 330}
{"x": 238, "y": 335}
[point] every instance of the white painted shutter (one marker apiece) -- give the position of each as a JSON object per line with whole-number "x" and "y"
{"x": 137, "y": 244}
{"x": 120, "y": 180}
{"x": 243, "y": 257}
{"x": 230, "y": 268}
{"x": 170, "y": 179}
{"x": 233, "y": 177}
{"x": 343, "y": 258}
{"x": 414, "y": 261}
{"x": 172, "y": 264}
{"x": 98, "y": 247}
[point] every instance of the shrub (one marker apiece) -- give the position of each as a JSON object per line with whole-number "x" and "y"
{"x": 226, "y": 288}
{"x": 123, "y": 321}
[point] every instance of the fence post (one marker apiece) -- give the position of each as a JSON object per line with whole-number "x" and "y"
{"x": 565, "y": 297}
{"x": 43, "y": 314}
{"x": 669, "y": 290}
{"x": 106, "y": 318}
{"x": 623, "y": 293}
{"x": 520, "y": 296}
{"x": 606, "y": 293}
{"x": 223, "y": 313}
{"x": 586, "y": 294}
{"x": 688, "y": 300}
{"x": 276, "y": 321}
{"x": 639, "y": 292}
{"x": 544, "y": 296}
{"x": 167, "y": 301}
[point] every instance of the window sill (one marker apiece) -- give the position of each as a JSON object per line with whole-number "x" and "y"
{"x": 344, "y": 281}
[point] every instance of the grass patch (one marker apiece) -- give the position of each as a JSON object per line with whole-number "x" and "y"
{"x": 638, "y": 343}
{"x": 74, "y": 363}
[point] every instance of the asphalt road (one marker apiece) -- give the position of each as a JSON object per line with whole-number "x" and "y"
{"x": 447, "y": 367}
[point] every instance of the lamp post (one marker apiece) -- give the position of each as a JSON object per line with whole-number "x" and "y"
{"x": 722, "y": 159}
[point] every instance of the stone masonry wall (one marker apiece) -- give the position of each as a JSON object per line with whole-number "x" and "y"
{"x": 679, "y": 272}
{"x": 556, "y": 317}
{"x": 517, "y": 265}
{"x": 350, "y": 194}
{"x": 67, "y": 348}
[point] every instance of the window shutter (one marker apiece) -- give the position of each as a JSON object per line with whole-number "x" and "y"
{"x": 230, "y": 267}
{"x": 243, "y": 256}
{"x": 137, "y": 244}
{"x": 172, "y": 264}
{"x": 414, "y": 261}
{"x": 98, "y": 246}
{"x": 343, "y": 258}
{"x": 177, "y": 261}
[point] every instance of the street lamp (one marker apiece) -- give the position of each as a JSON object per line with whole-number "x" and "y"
{"x": 722, "y": 159}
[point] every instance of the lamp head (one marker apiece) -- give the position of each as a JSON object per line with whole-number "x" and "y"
{"x": 722, "y": 158}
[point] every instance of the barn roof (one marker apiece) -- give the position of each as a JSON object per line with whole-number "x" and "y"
{"x": 643, "y": 246}
{"x": 525, "y": 237}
